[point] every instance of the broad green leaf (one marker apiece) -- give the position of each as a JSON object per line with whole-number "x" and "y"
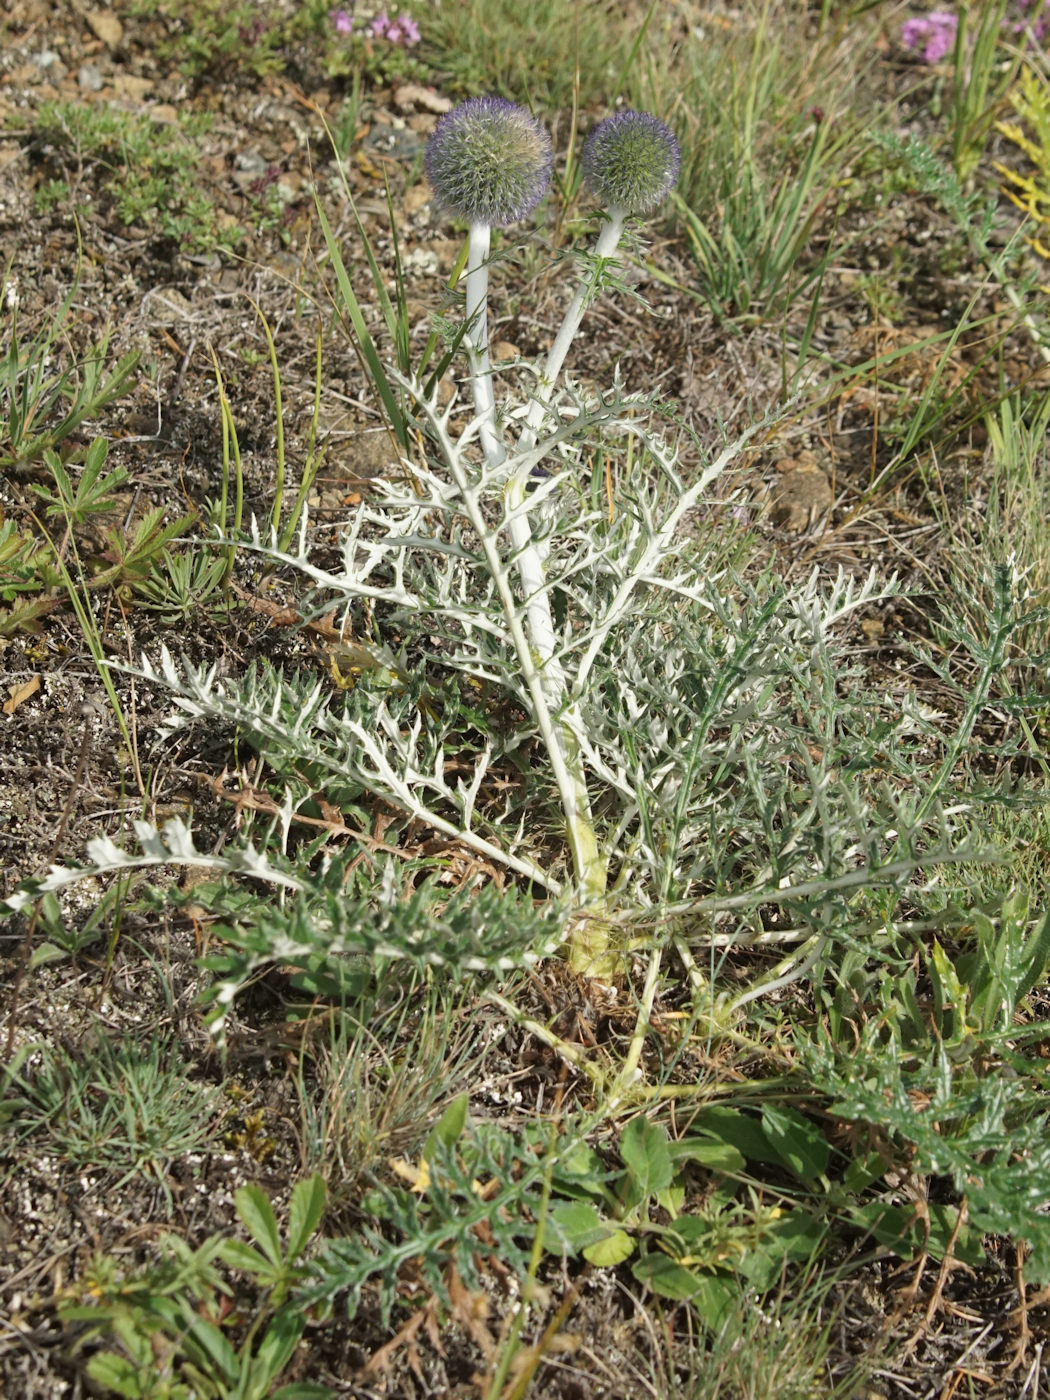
{"x": 644, "y": 1150}
{"x": 671, "y": 1198}
{"x": 669, "y": 1279}
{"x": 708, "y": 1152}
{"x": 740, "y": 1130}
{"x": 256, "y": 1212}
{"x": 275, "y": 1351}
{"x": 611, "y": 1251}
{"x": 798, "y": 1143}
{"x": 242, "y": 1256}
{"x": 449, "y": 1127}
{"x": 577, "y": 1226}
{"x": 864, "y": 1171}
{"x": 304, "y": 1214}
{"x": 793, "y": 1237}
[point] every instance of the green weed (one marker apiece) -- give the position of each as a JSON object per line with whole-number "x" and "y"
{"x": 173, "y": 1320}
{"x": 149, "y": 173}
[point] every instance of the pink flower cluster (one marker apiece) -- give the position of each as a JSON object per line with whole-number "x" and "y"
{"x": 403, "y": 31}
{"x": 1036, "y": 19}
{"x": 934, "y": 34}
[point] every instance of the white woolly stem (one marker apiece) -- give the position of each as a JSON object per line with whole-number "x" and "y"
{"x": 476, "y": 341}
{"x": 604, "y": 249}
{"x": 542, "y": 639}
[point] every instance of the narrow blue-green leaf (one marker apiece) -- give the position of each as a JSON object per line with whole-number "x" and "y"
{"x": 368, "y": 350}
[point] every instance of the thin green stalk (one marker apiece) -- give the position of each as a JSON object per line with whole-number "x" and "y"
{"x": 313, "y": 455}
{"x": 229, "y": 442}
{"x": 85, "y": 617}
{"x": 278, "y": 490}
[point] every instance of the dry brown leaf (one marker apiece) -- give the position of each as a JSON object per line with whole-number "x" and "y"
{"x": 19, "y": 693}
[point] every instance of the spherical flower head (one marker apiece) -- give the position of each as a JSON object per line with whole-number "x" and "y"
{"x": 630, "y": 161}
{"x": 489, "y": 161}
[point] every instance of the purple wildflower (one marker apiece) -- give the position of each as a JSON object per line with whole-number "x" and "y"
{"x": 1035, "y": 20}
{"x": 630, "y": 161}
{"x": 342, "y": 20}
{"x": 933, "y": 33}
{"x": 402, "y": 31}
{"x": 489, "y": 161}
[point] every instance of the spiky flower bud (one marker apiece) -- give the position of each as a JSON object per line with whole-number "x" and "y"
{"x": 489, "y": 161}
{"x": 630, "y": 161}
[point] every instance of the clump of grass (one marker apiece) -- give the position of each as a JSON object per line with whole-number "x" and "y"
{"x": 493, "y": 46}
{"x": 765, "y": 154}
{"x": 123, "y": 1107}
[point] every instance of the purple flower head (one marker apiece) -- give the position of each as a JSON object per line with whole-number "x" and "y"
{"x": 1036, "y": 23}
{"x": 489, "y": 161}
{"x": 933, "y": 33}
{"x": 630, "y": 161}
{"x": 342, "y": 20}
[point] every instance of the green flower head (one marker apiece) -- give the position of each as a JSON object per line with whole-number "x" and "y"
{"x": 489, "y": 161}
{"x": 630, "y": 161}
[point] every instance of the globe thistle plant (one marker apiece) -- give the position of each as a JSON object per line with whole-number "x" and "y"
{"x": 489, "y": 162}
